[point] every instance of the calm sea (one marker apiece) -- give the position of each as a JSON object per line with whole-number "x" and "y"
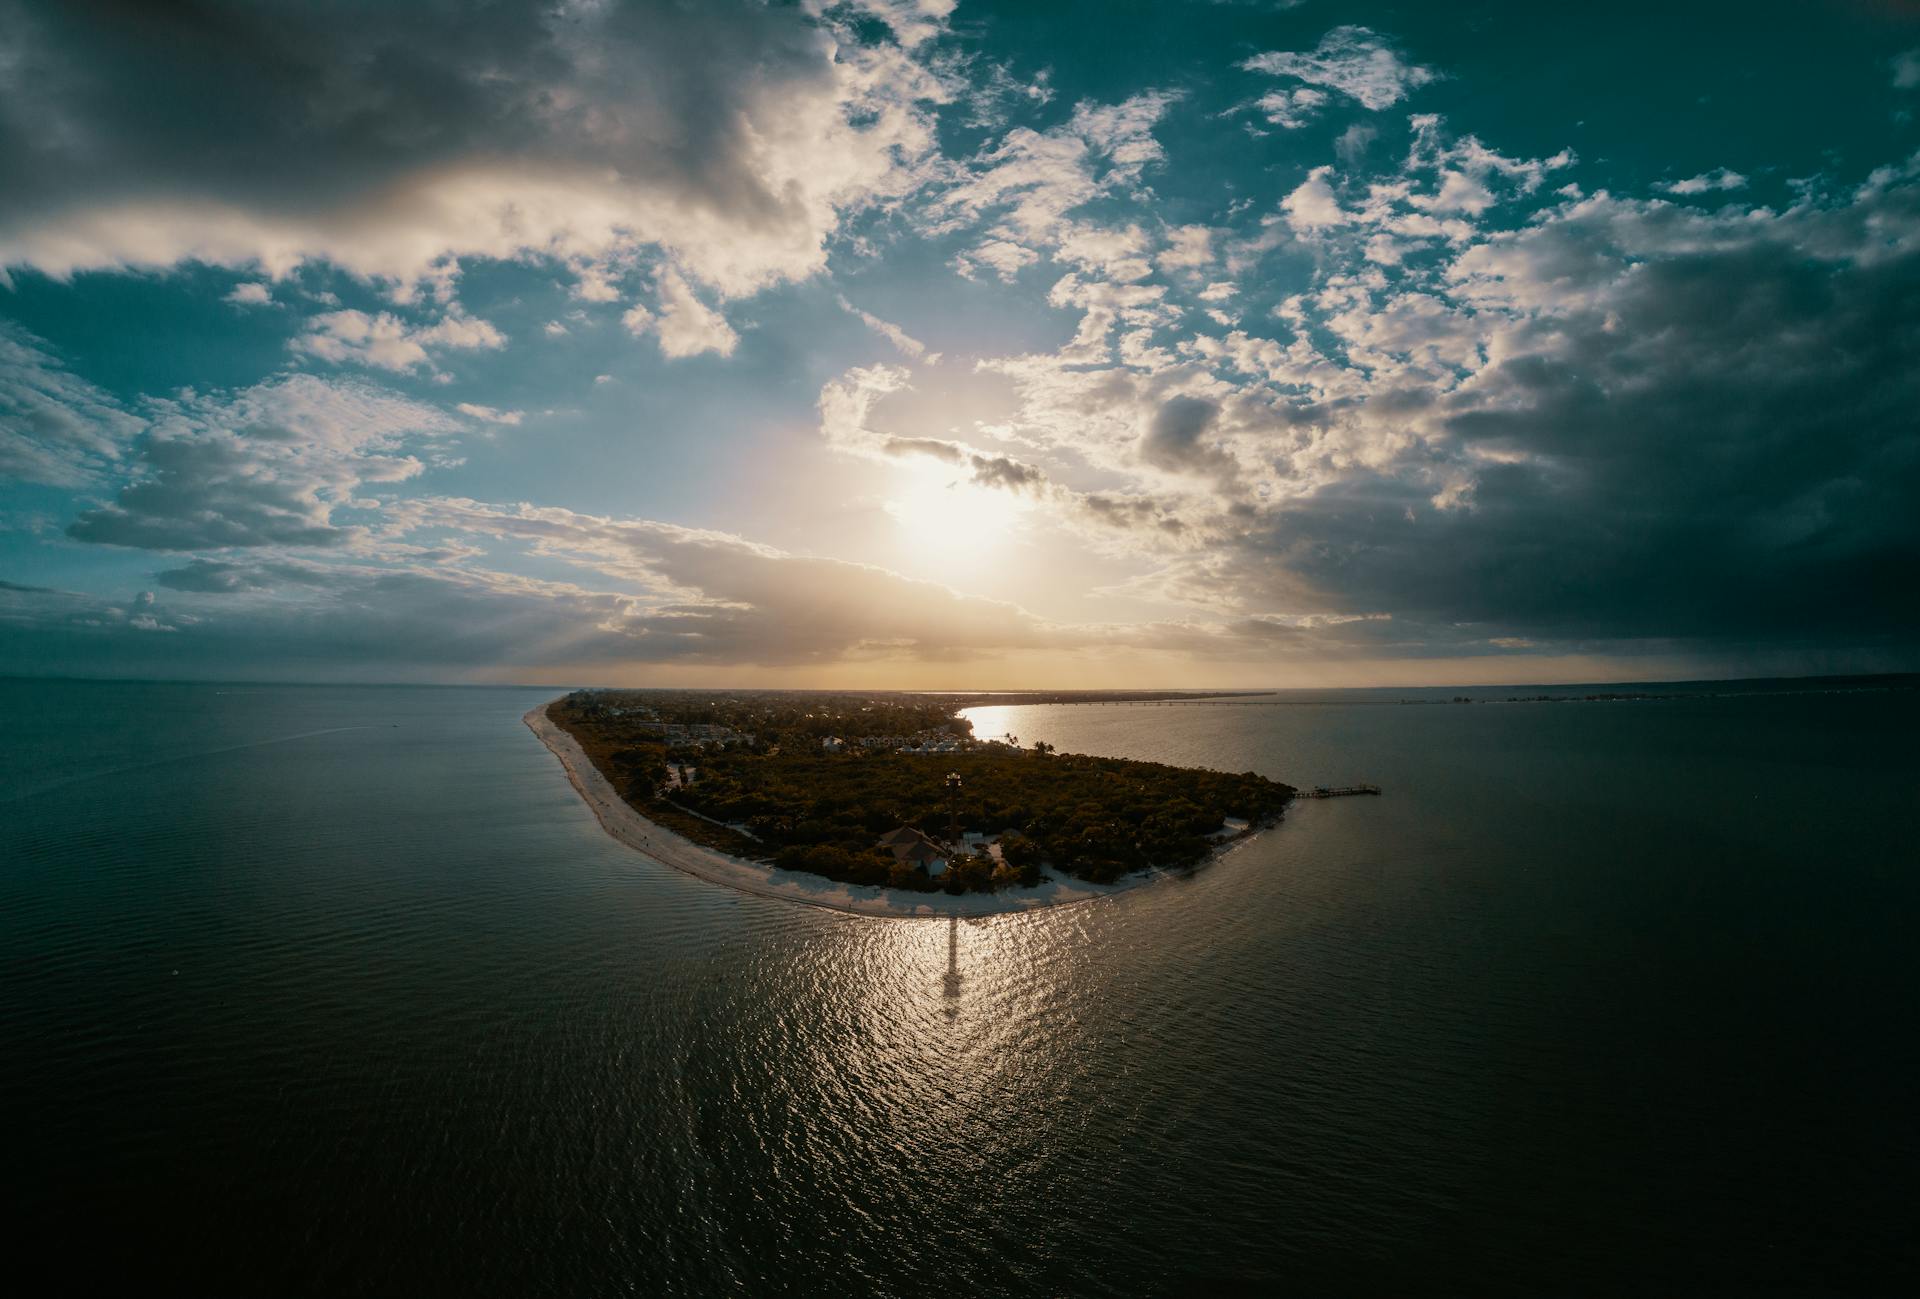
{"x": 343, "y": 991}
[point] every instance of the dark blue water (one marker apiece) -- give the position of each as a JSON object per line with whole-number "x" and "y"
{"x": 341, "y": 990}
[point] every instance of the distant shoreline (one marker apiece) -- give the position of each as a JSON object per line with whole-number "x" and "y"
{"x": 1028, "y": 698}
{"x": 657, "y": 843}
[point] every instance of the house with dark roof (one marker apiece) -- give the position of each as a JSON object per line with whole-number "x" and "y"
{"x": 912, "y": 848}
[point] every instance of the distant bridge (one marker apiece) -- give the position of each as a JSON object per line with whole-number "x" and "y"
{"x": 1336, "y": 791}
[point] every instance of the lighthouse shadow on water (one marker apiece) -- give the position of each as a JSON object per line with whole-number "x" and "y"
{"x": 950, "y": 982}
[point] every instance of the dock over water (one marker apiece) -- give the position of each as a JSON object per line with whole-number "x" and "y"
{"x": 1336, "y": 791}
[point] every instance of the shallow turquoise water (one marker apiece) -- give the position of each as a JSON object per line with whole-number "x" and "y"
{"x": 341, "y": 990}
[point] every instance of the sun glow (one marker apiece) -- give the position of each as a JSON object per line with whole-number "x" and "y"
{"x": 950, "y": 524}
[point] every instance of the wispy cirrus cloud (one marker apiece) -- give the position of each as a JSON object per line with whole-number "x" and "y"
{"x": 55, "y": 427}
{"x": 268, "y": 466}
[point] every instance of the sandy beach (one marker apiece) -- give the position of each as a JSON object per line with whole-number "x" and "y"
{"x": 618, "y": 819}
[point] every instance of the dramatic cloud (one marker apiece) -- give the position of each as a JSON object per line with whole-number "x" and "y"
{"x": 1620, "y": 419}
{"x": 731, "y": 135}
{"x": 1258, "y": 393}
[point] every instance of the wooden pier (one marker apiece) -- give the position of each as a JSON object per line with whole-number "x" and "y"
{"x": 1336, "y": 791}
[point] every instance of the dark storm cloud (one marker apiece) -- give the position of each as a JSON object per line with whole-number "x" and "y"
{"x": 387, "y": 136}
{"x": 297, "y": 103}
{"x": 1173, "y": 440}
{"x": 1718, "y": 440}
{"x": 1004, "y": 472}
{"x": 987, "y": 470}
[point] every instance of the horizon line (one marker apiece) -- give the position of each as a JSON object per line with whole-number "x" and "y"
{"x": 965, "y": 690}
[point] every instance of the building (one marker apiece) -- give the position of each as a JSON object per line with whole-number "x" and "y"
{"x": 832, "y": 744}
{"x": 912, "y": 848}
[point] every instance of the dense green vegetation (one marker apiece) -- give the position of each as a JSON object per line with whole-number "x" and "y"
{"x": 753, "y": 763}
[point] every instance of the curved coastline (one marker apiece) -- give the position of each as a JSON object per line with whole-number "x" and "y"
{"x": 659, "y": 844}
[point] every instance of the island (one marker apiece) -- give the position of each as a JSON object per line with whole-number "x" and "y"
{"x": 885, "y": 803}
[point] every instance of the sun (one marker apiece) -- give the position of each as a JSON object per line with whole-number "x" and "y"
{"x": 948, "y": 523}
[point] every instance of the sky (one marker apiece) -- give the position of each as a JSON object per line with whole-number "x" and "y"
{"x": 922, "y": 344}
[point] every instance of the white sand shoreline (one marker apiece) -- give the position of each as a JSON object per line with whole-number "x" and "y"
{"x": 619, "y": 819}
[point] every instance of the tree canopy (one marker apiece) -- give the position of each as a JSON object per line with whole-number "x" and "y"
{"x": 763, "y": 788}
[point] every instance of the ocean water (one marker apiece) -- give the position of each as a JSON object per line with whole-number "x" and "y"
{"x": 342, "y": 991}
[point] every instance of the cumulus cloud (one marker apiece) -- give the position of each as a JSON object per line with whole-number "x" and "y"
{"x": 1707, "y": 182}
{"x": 1188, "y": 248}
{"x": 1030, "y": 181}
{"x": 250, "y": 294}
{"x": 732, "y": 135}
{"x": 1596, "y": 419}
{"x": 1292, "y": 109}
{"x": 1350, "y": 61}
{"x": 1313, "y": 205}
{"x": 386, "y": 342}
{"x": 1004, "y": 258}
{"x": 684, "y": 325}
{"x": 1648, "y": 422}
